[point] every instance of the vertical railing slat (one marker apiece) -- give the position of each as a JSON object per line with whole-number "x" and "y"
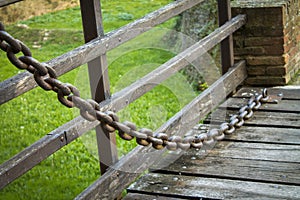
{"x": 227, "y": 56}
{"x": 99, "y": 81}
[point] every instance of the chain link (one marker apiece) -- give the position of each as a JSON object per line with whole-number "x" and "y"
{"x": 69, "y": 95}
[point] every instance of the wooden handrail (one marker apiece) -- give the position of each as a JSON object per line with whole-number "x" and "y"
{"x": 49, "y": 144}
{"x": 23, "y": 82}
{"x": 123, "y": 172}
{"x": 127, "y": 169}
{"x": 8, "y": 2}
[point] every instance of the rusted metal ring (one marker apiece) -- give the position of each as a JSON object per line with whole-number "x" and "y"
{"x": 220, "y": 136}
{"x": 265, "y": 92}
{"x": 12, "y": 42}
{"x": 148, "y": 133}
{"x": 124, "y": 129}
{"x": 86, "y": 109}
{"x": 17, "y": 62}
{"x": 249, "y": 115}
{"x": 210, "y": 137}
{"x": 196, "y": 145}
{"x": 143, "y": 142}
{"x": 51, "y": 83}
{"x": 265, "y": 96}
{"x": 125, "y": 136}
{"x": 230, "y": 130}
{"x": 94, "y": 104}
{"x": 257, "y": 106}
{"x": 3, "y": 46}
{"x": 251, "y": 105}
{"x": 156, "y": 143}
{"x": 68, "y": 101}
{"x": 87, "y": 116}
{"x": 234, "y": 120}
{"x": 83, "y": 105}
{"x": 241, "y": 121}
{"x": 40, "y": 67}
{"x": 132, "y": 131}
{"x": 172, "y": 143}
{"x": 137, "y": 134}
{"x": 113, "y": 115}
{"x": 103, "y": 117}
{"x": 172, "y": 146}
{"x": 163, "y": 137}
{"x": 184, "y": 146}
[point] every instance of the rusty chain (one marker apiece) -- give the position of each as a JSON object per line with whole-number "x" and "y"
{"x": 69, "y": 95}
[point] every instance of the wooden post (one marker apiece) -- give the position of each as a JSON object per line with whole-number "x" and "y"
{"x": 99, "y": 82}
{"x": 227, "y": 57}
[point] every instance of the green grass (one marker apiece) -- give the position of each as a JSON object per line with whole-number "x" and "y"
{"x": 29, "y": 117}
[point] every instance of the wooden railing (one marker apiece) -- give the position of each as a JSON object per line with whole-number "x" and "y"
{"x": 117, "y": 177}
{"x": 7, "y": 2}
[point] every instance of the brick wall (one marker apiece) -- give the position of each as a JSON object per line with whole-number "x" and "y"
{"x": 270, "y": 41}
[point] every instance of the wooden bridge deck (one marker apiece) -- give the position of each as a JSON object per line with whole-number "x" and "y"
{"x": 261, "y": 160}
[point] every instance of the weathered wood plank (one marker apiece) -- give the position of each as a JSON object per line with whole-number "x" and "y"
{"x": 121, "y": 174}
{"x": 118, "y": 101}
{"x": 282, "y": 106}
{"x": 24, "y": 82}
{"x": 238, "y": 73}
{"x": 227, "y": 56}
{"x": 98, "y": 77}
{"x": 200, "y": 187}
{"x": 288, "y": 92}
{"x": 40, "y": 150}
{"x": 262, "y": 119}
{"x": 136, "y": 196}
{"x": 151, "y": 80}
{"x": 256, "y": 151}
{"x": 235, "y": 169}
{"x": 249, "y": 151}
{"x": 137, "y": 89}
{"x": 258, "y": 134}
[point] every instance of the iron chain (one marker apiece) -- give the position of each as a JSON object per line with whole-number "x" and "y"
{"x": 69, "y": 95}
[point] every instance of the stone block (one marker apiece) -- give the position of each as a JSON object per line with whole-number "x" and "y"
{"x": 270, "y": 41}
{"x": 263, "y": 41}
{"x": 276, "y": 70}
{"x": 267, "y": 80}
{"x": 256, "y": 71}
{"x": 266, "y": 60}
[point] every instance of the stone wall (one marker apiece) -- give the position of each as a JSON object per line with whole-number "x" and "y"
{"x": 270, "y": 41}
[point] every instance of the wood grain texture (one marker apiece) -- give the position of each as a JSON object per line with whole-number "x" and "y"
{"x": 213, "y": 188}
{"x": 42, "y": 149}
{"x": 256, "y": 134}
{"x": 288, "y": 92}
{"x": 259, "y": 161}
{"x": 133, "y": 196}
{"x": 282, "y": 106}
{"x": 24, "y": 82}
{"x": 128, "y": 168}
{"x": 260, "y": 118}
{"x": 235, "y": 169}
